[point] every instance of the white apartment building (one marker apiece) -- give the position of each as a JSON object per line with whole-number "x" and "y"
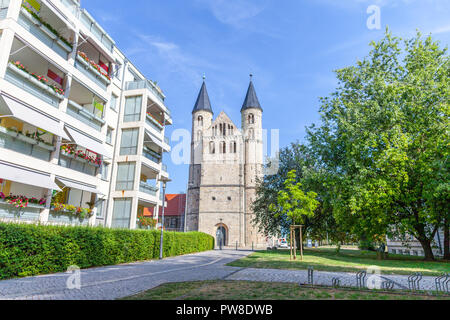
{"x": 82, "y": 131}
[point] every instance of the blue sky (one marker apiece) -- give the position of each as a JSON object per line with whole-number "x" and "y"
{"x": 291, "y": 47}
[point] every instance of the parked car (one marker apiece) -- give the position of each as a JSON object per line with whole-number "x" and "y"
{"x": 283, "y": 244}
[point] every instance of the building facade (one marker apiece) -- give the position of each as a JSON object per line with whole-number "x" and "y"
{"x": 411, "y": 246}
{"x": 226, "y": 162}
{"x": 174, "y": 212}
{"x": 82, "y": 131}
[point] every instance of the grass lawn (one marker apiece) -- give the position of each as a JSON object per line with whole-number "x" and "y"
{"x": 244, "y": 290}
{"x": 345, "y": 261}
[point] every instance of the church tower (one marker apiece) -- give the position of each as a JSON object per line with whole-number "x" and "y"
{"x": 252, "y": 130}
{"x": 202, "y": 116}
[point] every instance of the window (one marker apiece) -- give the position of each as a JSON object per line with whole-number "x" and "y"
{"x": 121, "y": 213}
{"x": 100, "y": 206}
{"x": 200, "y": 121}
{"x": 214, "y": 198}
{"x": 125, "y": 176}
{"x": 212, "y": 147}
{"x": 129, "y": 142}
{"x": 113, "y": 102}
{"x": 105, "y": 171}
{"x": 133, "y": 106}
{"x": 229, "y": 198}
{"x": 233, "y": 147}
{"x": 199, "y": 135}
{"x": 251, "y": 118}
{"x": 223, "y": 147}
{"x": 109, "y": 134}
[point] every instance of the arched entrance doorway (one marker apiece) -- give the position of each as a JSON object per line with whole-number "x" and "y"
{"x": 221, "y": 236}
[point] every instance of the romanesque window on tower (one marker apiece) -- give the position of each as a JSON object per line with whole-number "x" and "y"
{"x": 224, "y": 129}
{"x": 212, "y": 147}
{"x": 231, "y": 130}
{"x": 200, "y": 121}
{"x": 234, "y": 147}
{"x": 251, "y": 118}
{"x": 221, "y": 129}
{"x": 223, "y": 147}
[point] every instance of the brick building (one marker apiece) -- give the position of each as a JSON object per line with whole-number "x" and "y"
{"x": 173, "y": 214}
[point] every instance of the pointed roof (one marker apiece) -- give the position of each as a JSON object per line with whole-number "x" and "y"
{"x": 251, "y": 100}
{"x": 203, "y": 102}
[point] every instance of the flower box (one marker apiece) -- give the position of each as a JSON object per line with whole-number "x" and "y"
{"x": 83, "y": 62}
{"x": 64, "y": 45}
{"x": 30, "y": 17}
{"x": 46, "y": 146}
{"x": 155, "y": 122}
{"x": 48, "y": 32}
{"x": 26, "y": 139}
{"x": 19, "y": 72}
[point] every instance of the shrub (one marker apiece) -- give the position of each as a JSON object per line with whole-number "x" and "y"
{"x": 28, "y": 250}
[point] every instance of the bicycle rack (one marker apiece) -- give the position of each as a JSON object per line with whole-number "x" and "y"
{"x": 361, "y": 279}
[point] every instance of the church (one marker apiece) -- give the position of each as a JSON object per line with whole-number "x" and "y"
{"x": 226, "y": 163}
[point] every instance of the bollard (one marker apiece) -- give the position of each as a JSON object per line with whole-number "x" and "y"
{"x": 236, "y": 246}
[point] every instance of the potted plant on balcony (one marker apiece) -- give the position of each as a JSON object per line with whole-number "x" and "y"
{"x": 30, "y": 15}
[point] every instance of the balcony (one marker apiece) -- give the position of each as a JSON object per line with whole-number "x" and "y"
{"x": 148, "y": 189}
{"x": 85, "y": 106}
{"x": 152, "y": 155}
{"x": 30, "y": 83}
{"x": 146, "y": 84}
{"x": 155, "y": 124}
{"x": 35, "y": 144}
{"x": 79, "y": 159}
{"x": 92, "y": 70}
{"x": 30, "y": 213}
{"x": 97, "y": 31}
{"x": 43, "y": 27}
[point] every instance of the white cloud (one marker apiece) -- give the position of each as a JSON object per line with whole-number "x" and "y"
{"x": 234, "y": 12}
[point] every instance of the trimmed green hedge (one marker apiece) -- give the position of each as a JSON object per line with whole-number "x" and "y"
{"x": 28, "y": 250}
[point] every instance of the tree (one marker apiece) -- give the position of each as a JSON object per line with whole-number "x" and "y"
{"x": 294, "y": 203}
{"x": 384, "y": 141}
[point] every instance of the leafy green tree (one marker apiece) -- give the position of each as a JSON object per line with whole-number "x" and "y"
{"x": 295, "y": 204}
{"x": 384, "y": 141}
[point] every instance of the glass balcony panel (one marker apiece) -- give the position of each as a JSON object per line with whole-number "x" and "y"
{"x": 83, "y": 117}
{"x": 145, "y": 84}
{"x": 152, "y": 156}
{"x": 30, "y": 87}
{"x": 148, "y": 189}
{"x": 9, "y": 142}
{"x": 86, "y": 71}
{"x": 77, "y": 165}
{"x": 151, "y": 123}
{"x": 8, "y": 211}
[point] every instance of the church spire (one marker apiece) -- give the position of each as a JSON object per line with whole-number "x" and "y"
{"x": 203, "y": 102}
{"x": 251, "y": 100}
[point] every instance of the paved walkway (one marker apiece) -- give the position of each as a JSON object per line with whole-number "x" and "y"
{"x": 107, "y": 283}
{"x": 325, "y": 278}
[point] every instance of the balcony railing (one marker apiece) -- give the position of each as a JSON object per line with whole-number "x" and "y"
{"x": 31, "y": 213}
{"x": 32, "y": 25}
{"x": 146, "y": 84}
{"x": 80, "y": 113}
{"x": 87, "y": 69}
{"x": 20, "y": 143}
{"x": 154, "y": 124}
{"x": 77, "y": 164}
{"x": 164, "y": 167}
{"x": 151, "y": 156}
{"x": 28, "y": 83}
{"x": 97, "y": 31}
{"x": 148, "y": 189}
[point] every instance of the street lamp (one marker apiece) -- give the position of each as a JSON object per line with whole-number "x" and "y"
{"x": 164, "y": 181}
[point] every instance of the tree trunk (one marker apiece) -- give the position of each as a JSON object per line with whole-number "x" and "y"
{"x": 446, "y": 239}
{"x": 426, "y": 245}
